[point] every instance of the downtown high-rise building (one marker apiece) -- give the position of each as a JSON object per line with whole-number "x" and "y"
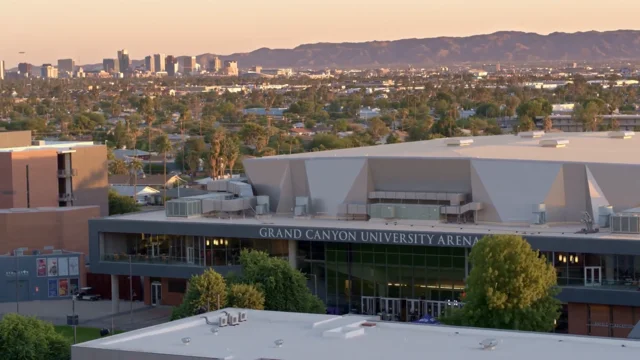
{"x": 66, "y": 65}
{"x": 149, "y": 64}
{"x": 111, "y": 65}
{"x": 171, "y": 65}
{"x": 188, "y": 65}
{"x": 1, "y": 69}
{"x": 24, "y": 69}
{"x": 159, "y": 62}
{"x": 215, "y": 64}
{"x": 231, "y": 68}
{"x": 124, "y": 60}
{"x": 47, "y": 71}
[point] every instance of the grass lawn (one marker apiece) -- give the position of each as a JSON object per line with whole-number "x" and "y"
{"x": 84, "y": 333}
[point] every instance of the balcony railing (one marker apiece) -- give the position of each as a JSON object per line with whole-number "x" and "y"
{"x": 66, "y": 197}
{"x": 65, "y": 173}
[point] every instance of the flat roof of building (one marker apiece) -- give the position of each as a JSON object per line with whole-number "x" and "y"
{"x": 320, "y": 337}
{"x": 51, "y": 145}
{"x": 588, "y": 147}
{"x": 564, "y": 230}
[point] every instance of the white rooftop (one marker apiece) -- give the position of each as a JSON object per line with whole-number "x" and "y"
{"x": 322, "y": 337}
{"x": 51, "y": 145}
{"x": 591, "y": 147}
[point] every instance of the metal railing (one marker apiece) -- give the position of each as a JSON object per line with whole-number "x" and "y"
{"x": 67, "y": 172}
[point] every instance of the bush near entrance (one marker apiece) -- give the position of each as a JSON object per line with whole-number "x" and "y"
{"x": 27, "y": 338}
{"x": 510, "y": 286}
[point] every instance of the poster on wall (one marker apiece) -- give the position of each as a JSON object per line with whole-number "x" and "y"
{"x": 74, "y": 285}
{"x": 41, "y": 265}
{"x": 63, "y": 266}
{"x": 74, "y": 269}
{"x": 53, "y": 288}
{"x": 63, "y": 287}
{"x": 52, "y": 266}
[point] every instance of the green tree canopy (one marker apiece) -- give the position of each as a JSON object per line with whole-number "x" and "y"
{"x": 534, "y": 108}
{"x": 246, "y": 296}
{"x": 205, "y": 291}
{"x": 119, "y": 204}
{"x": 284, "y": 288}
{"x": 26, "y": 338}
{"x": 510, "y": 286}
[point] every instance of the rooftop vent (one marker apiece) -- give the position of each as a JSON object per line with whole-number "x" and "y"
{"x": 458, "y": 142}
{"x": 531, "y": 134}
{"x": 621, "y": 134}
{"x": 489, "y": 344}
{"x": 555, "y": 143}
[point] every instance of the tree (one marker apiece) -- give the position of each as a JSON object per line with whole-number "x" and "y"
{"x": 547, "y": 124}
{"x": 119, "y": 204}
{"x": 118, "y": 167}
{"x": 145, "y": 107}
{"x": 534, "y": 108}
{"x": 163, "y": 145}
{"x": 207, "y": 291}
{"x": 27, "y": 338}
{"x": 510, "y": 286}
{"x": 135, "y": 166}
{"x": 246, "y": 296}
{"x": 525, "y": 123}
{"x": 230, "y": 151}
{"x": 587, "y": 116}
{"x": 284, "y": 288}
{"x": 378, "y": 128}
{"x": 254, "y": 135}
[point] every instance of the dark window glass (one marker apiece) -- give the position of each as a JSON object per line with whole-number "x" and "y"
{"x": 177, "y": 286}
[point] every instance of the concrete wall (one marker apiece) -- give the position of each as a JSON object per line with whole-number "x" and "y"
{"x": 43, "y": 178}
{"x": 91, "y": 185}
{"x": 62, "y": 228}
{"x": 88, "y": 353}
{"x": 6, "y": 181}
{"x": 15, "y": 139}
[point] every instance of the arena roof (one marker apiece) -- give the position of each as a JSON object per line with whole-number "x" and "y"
{"x": 592, "y": 147}
{"x": 319, "y": 337}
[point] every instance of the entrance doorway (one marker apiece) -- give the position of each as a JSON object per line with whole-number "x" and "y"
{"x": 592, "y": 276}
{"x": 390, "y": 308}
{"x": 156, "y": 293}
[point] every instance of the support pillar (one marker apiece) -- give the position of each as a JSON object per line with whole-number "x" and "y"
{"x": 293, "y": 253}
{"x": 609, "y": 266}
{"x": 115, "y": 294}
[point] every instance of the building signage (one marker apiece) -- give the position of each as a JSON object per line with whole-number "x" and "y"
{"x": 370, "y": 236}
{"x": 612, "y": 325}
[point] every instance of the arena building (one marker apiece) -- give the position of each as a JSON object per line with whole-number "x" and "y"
{"x": 388, "y": 229}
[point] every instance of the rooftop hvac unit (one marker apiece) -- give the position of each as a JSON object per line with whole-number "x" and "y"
{"x": 242, "y": 316}
{"x": 625, "y": 223}
{"x": 604, "y": 216}
{"x": 223, "y": 321}
{"x": 261, "y": 209}
{"x": 539, "y": 214}
{"x": 302, "y": 206}
{"x": 233, "y": 319}
{"x": 300, "y": 211}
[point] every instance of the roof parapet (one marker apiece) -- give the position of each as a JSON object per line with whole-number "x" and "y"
{"x": 555, "y": 143}
{"x": 621, "y": 134}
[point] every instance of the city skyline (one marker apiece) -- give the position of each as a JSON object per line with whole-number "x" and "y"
{"x": 279, "y": 24}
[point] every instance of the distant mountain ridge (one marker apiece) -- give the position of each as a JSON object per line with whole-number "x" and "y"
{"x": 504, "y": 46}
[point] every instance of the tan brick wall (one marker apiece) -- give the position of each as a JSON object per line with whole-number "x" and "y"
{"x": 43, "y": 178}
{"x": 91, "y": 186}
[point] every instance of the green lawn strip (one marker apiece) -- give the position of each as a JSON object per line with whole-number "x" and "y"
{"x": 83, "y": 333}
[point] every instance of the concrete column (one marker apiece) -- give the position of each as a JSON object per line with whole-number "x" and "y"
{"x": 609, "y": 266}
{"x": 115, "y": 294}
{"x": 293, "y": 252}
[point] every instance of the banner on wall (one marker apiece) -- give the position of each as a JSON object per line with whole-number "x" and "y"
{"x": 41, "y": 265}
{"x": 53, "y": 288}
{"x": 63, "y": 287}
{"x": 52, "y": 266}
{"x": 63, "y": 266}
{"x": 74, "y": 269}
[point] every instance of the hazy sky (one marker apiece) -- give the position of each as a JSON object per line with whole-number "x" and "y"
{"x": 90, "y": 30}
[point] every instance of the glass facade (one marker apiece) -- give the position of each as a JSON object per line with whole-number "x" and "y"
{"x": 182, "y": 249}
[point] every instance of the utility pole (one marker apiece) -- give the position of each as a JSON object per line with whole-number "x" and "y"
{"x": 75, "y": 327}
{"x": 15, "y": 253}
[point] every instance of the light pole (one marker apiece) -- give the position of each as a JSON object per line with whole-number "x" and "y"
{"x": 130, "y": 290}
{"x": 73, "y": 317}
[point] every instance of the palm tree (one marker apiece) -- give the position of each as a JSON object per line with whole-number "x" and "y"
{"x": 231, "y": 151}
{"x": 163, "y": 146}
{"x": 118, "y": 167}
{"x": 135, "y": 166}
{"x": 215, "y": 152}
{"x": 147, "y": 110}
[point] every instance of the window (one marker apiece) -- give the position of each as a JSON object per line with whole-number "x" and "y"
{"x": 177, "y": 286}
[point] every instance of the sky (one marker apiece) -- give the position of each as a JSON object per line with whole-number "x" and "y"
{"x": 90, "y": 30}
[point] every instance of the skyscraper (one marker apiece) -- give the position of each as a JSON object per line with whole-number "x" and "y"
{"x": 231, "y": 68}
{"x": 110, "y": 65}
{"x": 66, "y": 65}
{"x": 159, "y": 59}
{"x": 24, "y": 69}
{"x": 149, "y": 64}
{"x": 171, "y": 65}
{"x": 124, "y": 61}
{"x": 188, "y": 65}
{"x": 1, "y": 69}
{"x": 215, "y": 64}
{"x": 47, "y": 71}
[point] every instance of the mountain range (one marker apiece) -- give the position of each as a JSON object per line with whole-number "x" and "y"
{"x": 504, "y": 46}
